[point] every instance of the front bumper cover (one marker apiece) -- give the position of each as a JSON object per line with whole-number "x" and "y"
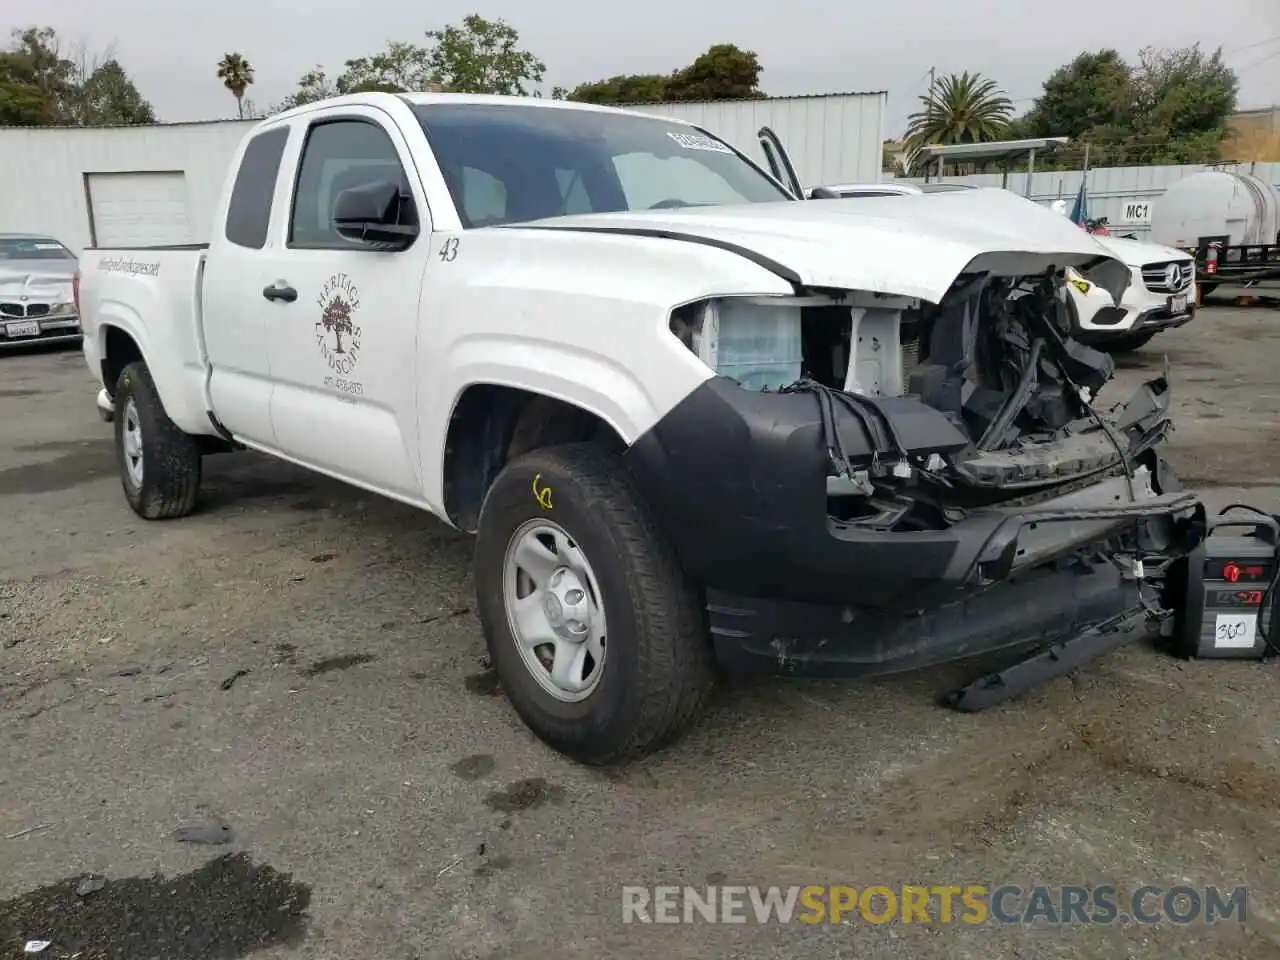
{"x": 60, "y": 329}
{"x": 737, "y": 479}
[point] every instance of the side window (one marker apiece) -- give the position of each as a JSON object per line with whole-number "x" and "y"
{"x": 648, "y": 179}
{"x": 572, "y": 192}
{"x": 484, "y": 197}
{"x": 249, "y": 212}
{"x": 338, "y": 155}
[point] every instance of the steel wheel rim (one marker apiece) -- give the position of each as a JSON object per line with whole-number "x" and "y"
{"x": 555, "y": 610}
{"x": 131, "y": 442}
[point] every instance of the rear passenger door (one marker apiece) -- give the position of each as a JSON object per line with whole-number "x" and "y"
{"x": 233, "y": 321}
{"x": 343, "y": 354}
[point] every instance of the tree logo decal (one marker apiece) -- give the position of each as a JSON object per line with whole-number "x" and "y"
{"x": 337, "y": 333}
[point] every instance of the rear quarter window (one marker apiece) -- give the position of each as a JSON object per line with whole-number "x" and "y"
{"x": 249, "y": 212}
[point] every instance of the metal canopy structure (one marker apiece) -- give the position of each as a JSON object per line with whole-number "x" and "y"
{"x": 1004, "y": 152}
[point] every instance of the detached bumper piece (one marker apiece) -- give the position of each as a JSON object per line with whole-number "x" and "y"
{"x": 1047, "y": 606}
{"x": 1058, "y": 660}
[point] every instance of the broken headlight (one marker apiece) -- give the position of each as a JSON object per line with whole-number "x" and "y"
{"x": 754, "y": 340}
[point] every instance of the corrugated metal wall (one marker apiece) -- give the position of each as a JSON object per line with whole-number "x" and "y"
{"x": 836, "y": 138}
{"x": 1111, "y": 189}
{"x": 43, "y": 171}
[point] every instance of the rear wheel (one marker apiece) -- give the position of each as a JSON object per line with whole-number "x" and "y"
{"x": 159, "y": 464}
{"x": 597, "y": 636}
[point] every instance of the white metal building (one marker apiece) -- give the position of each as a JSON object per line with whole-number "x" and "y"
{"x": 108, "y": 186}
{"x": 135, "y": 186}
{"x": 832, "y": 138}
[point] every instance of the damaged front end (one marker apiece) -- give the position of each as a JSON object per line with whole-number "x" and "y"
{"x": 876, "y": 483}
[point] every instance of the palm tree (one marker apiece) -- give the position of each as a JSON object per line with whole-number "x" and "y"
{"x": 236, "y": 74}
{"x": 960, "y": 108}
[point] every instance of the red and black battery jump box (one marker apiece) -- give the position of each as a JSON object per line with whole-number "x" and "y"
{"x": 1227, "y": 609}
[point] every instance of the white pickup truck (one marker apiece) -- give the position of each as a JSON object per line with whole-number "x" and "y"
{"x": 692, "y": 420}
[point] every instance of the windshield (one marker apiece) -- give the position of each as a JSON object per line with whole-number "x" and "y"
{"x": 33, "y": 248}
{"x": 510, "y": 164}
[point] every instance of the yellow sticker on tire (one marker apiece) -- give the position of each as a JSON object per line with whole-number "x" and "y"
{"x": 541, "y": 493}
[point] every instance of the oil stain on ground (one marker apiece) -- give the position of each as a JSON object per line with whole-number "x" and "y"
{"x": 344, "y": 662}
{"x": 76, "y": 462}
{"x": 226, "y": 909}
{"x": 484, "y": 683}
{"x": 474, "y": 767}
{"x": 524, "y": 795}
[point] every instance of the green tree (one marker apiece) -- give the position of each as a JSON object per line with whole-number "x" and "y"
{"x": 961, "y": 108}
{"x": 1171, "y": 107}
{"x": 236, "y": 75}
{"x": 108, "y": 97}
{"x": 312, "y": 86}
{"x": 478, "y": 56}
{"x": 482, "y": 56}
{"x": 36, "y": 81}
{"x": 401, "y": 67}
{"x": 624, "y": 88}
{"x": 723, "y": 72}
{"x": 1184, "y": 94}
{"x": 41, "y": 83}
{"x": 1093, "y": 90}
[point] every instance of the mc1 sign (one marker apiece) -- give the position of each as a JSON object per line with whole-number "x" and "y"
{"x": 1136, "y": 211}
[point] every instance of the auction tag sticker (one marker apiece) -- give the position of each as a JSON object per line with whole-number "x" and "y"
{"x": 1235, "y": 631}
{"x": 696, "y": 141}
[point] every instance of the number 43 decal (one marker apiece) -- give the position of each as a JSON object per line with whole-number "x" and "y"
{"x": 449, "y": 250}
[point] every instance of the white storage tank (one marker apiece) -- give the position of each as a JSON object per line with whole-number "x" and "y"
{"x": 1213, "y": 205}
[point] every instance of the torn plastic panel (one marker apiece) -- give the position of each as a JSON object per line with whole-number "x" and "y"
{"x": 926, "y": 411}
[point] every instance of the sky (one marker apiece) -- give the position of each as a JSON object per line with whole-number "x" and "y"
{"x": 171, "y": 47}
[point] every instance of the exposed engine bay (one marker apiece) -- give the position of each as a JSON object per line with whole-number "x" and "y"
{"x": 932, "y": 410}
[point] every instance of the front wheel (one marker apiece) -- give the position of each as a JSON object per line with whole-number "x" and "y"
{"x": 597, "y": 636}
{"x": 159, "y": 464}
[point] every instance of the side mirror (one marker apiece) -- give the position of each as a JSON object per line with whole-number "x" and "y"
{"x": 376, "y": 213}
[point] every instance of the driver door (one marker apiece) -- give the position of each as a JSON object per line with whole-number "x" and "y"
{"x": 342, "y": 324}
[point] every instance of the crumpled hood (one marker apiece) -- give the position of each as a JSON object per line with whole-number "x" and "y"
{"x": 906, "y": 245}
{"x": 37, "y": 279}
{"x": 1135, "y": 253}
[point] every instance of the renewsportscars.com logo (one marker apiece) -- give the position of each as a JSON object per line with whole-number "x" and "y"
{"x": 970, "y": 904}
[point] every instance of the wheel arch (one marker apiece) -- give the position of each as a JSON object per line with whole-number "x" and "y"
{"x": 492, "y": 424}
{"x": 119, "y": 348}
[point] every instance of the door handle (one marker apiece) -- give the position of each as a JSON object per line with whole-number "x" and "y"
{"x": 280, "y": 291}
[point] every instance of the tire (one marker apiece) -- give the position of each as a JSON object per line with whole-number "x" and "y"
{"x": 1207, "y": 288}
{"x": 166, "y": 481}
{"x": 657, "y": 668}
{"x": 1126, "y": 344}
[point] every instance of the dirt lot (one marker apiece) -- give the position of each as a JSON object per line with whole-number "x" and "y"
{"x": 300, "y": 659}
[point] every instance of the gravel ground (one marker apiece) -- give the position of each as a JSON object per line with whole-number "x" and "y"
{"x": 297, "y": 667}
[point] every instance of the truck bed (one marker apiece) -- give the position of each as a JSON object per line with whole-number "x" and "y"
{"x": 125, "y": 289}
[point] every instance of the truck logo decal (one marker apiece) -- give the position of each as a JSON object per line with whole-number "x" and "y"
{"x": 337, "y": 332}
